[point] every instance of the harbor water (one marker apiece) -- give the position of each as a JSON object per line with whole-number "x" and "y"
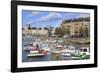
{"x": 49, "y": 57}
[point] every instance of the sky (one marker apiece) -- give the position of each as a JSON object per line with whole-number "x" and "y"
{"x": 41, "y": 19}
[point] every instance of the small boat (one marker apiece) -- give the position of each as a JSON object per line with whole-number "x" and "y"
{"x": 85, "y": 50}
{"x": 35, "y": 55}
{"x": 35, "y": 51}
{"x": 68, "y": 50}
{"x": 47, "y": 49}
{"x": 56, "y": 51}
{"x": 28, "y": 49}
{"x": 66, "y": 54}
{"x": 60, "y": 41}
{"x": 71, "y": 49}
{"x": 59, "y": 47}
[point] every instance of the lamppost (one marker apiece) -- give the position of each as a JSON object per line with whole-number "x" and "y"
{"x": 49, "y": 31}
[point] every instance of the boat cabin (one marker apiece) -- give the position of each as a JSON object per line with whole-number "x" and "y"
{"x": 85, "y": 50}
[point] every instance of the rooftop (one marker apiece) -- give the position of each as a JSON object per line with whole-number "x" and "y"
{"x": 76, "y": 20}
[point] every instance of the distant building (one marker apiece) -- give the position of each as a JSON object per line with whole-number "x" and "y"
{"x": 39, "y": 32}
{"x": 75, "y": 25}
{"x": 28, "y": 30}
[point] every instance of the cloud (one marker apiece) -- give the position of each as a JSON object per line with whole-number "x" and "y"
{"x": 33, "y": 13}
{"x": 51, "y": 16}
{"x": 83, "y": 15}
{"x": 49, "y": 19}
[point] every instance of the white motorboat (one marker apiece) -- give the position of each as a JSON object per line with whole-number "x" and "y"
{"x": 35, "y": 51}
{"x": 35, "y": 55}
{"x": 65, "y": 54}
{"x": 68, "y": 50}
{"x": 59, "y": 46}
{"x": 57, "y": 52}
{"x": 85, "y": 50}
{"x": 46, "y": 49}
{"x": 71, "y": 49}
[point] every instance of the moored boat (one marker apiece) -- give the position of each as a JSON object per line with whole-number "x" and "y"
{"x": 65, "y": 54}
{"x": 85, "y": 50}
{"x": 56, "y": 52}
{"x": 35, "y": 55}
{"x": 35, "y": 51}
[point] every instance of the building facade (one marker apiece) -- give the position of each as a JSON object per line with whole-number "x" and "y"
{"x": 76, "y": 26}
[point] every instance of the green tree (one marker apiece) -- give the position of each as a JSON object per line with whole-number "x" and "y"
{"x": 50, "y": 31}
{"x": 76, "y": 34}
{"x": 86, "y": 32}
{"x": 81, "y": 32}
{"x": 58, "y": 31}
{"x": 68, "y": 31}
{"x": 61, "y": 31}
